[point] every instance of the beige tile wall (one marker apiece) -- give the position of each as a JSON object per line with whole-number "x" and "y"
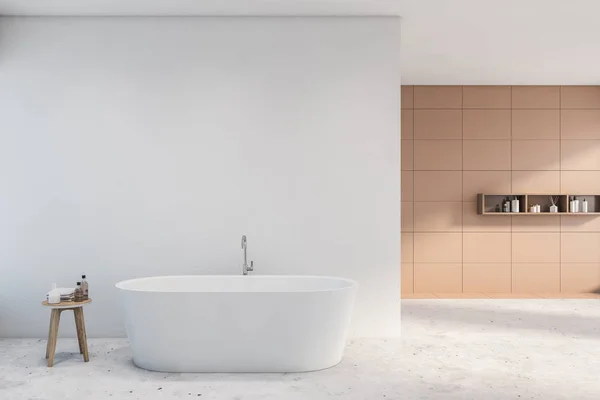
{"x": 458, "y": 141}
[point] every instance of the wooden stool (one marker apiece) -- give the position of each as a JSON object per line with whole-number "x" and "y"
{"x": 57, "y": 308}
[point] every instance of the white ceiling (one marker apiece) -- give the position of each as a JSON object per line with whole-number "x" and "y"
{"x": 443, "y": 42}
{"x": 199, "y": 7}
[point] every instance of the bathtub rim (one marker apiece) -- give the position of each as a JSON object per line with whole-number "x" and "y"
{"x": 352, "y": 284}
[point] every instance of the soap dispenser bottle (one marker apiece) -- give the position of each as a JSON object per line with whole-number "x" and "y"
{"x": 571, "y": 204}
{"x": 78, "y": 293}
{"x": 84, "y": 287}
{"x": 515, "y": 205}
{"x": 584, "y": 206}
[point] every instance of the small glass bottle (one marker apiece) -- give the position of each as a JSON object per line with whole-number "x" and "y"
{"x": 78, "y": 292}
{"x": 85, "y": 287}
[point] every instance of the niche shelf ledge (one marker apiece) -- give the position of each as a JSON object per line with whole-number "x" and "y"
{"x": 486, "y": 204}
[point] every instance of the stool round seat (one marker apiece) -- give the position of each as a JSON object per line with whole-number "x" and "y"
{"x": 67, "y": 304}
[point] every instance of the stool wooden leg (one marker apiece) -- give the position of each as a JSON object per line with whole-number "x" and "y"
{"x": 78, "y": 328}
{"x": 53, "y": 336}
{"x": 81, "y": 333}
{"x": 49, "y": 334}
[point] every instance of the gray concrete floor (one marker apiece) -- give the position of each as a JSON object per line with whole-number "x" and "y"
{"x": 450, "y": 349}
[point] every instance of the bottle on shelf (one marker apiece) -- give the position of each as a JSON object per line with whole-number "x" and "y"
{"x": 571, "y": 205}
{"x": 78, "y": 292}
{"x": 506, "y": 205}
{"x": 584, "y": 206}
{"x": 576, "y": 204}
{"x": 514, "y": 207}
{"x": 554, "y": 207}
{"x": 84, "y": 287}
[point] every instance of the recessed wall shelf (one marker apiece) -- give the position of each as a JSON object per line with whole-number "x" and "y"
{"x": 487, "y": 204}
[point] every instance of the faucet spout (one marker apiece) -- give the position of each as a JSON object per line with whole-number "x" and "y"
{"x": 246, "y": 267}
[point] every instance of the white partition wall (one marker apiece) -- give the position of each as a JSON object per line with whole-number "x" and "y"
{"x": 134, "y": 147}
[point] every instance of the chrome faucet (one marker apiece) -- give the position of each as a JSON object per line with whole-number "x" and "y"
{"x": 246, "y": 267}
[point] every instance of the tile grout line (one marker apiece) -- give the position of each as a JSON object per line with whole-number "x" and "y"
{"x": 503, "y": 170}
{"x": 560, "y": 189}
{"x": 511, "y": 190}
{"x": 413, "y": 188}
{"x": 503, "y": 108}
{"x": 462, "y": 188}
{"x": 509, "y": 139}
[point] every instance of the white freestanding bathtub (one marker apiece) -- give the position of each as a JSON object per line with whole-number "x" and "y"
{"x": 237, "y": 323}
